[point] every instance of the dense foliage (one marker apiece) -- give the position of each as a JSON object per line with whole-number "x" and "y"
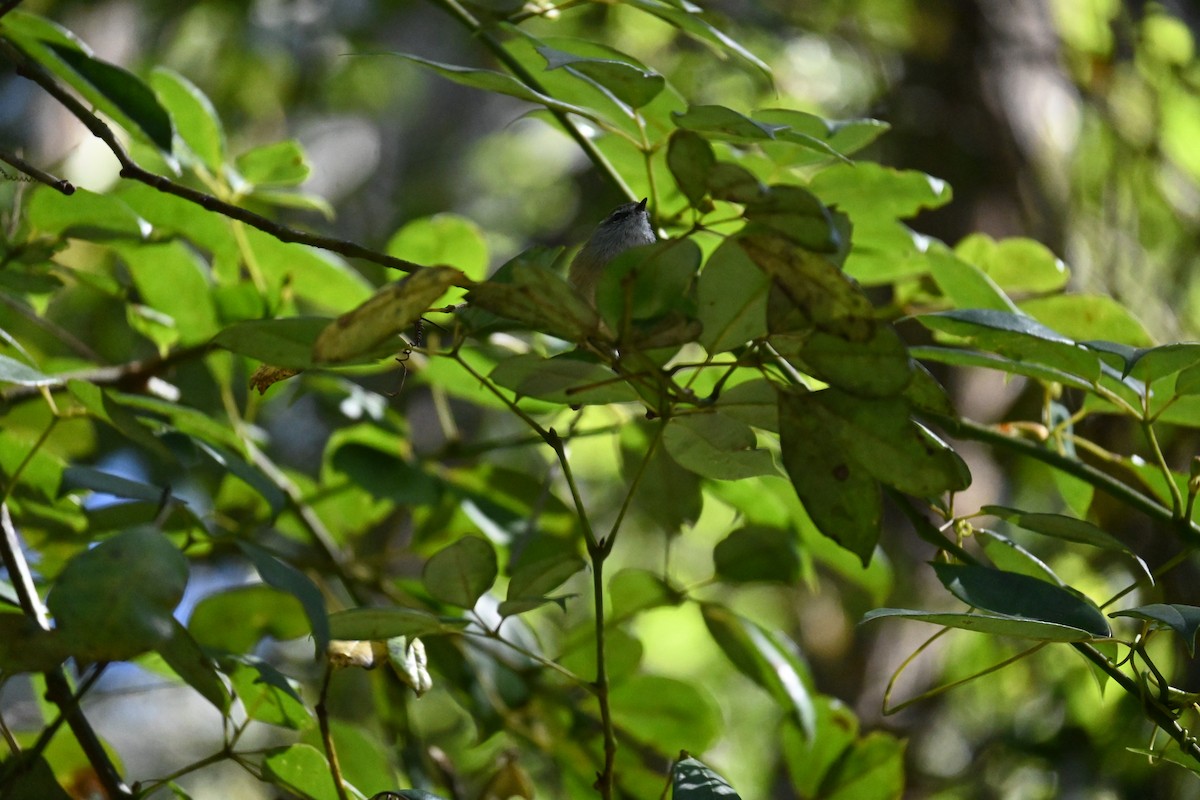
{"x": 411, "y": 521}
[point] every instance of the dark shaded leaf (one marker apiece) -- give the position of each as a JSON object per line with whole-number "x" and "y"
{"x": 1184, "y": 620}
{"x": 1021, "y": 597}
{"x": 285, "y": 577}
{"x": 690, "y": 157}
{"x": 117, "y": 600}
{"x": 758, "y": 553}
{"x": 460, "y": 573}
{"x": 840, "y": 495}
{"x": 691, "y": 780}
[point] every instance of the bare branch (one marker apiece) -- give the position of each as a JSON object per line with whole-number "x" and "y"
{"x": 130, "y": 169}
{"x": 21, "y": 164}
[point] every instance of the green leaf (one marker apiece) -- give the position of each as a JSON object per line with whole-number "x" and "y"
{"x": 1184, "y": 620}
{"x": 817, "y": 289}
{"x": 116, "y": 485}
{"x": 690, "y": 158}
{"x": 29, "y": 776}
{"x": 716, "y": 446}
{"x": 1188, "y": 381}
{"x": 872, "y": 193}
{"x": 171, "y": 278}
{"x": 1088, "y": 316}
{"x": 462, "y": 572}
{"x": 1058, "y": 526}
{"x": 1015, "y": 264}
{"x": 1021, "y": 597}
{"x": 300, "y": 769}
{"x": 842, "y": 137}
{"x": 1009, "y": 556}
{"x": 691, "y": 780}
{"x": 103, "y": 405}
{"x": 731, "y": 299}
{"x": 41, "y": 470}
{"x": 724, "y": 123}
{"x": 237, "y": 619}
{"x": 184, "y": 656}
{"x": 966, "y": 285}
{"x": 322, "y": 280}
{"x": 13, "y": 371}
{"x": 116, "y": 600}
{"x": 839, "y": 494}
{"x": 634, "y": 590}
{"x": 662, "y": 477}
{"x": 27, "y": 647}
{"x": 124, "y": 91}
{"x": 501, "y": 83}
{"x": 872, "y": 769}
{"x": 809, "y": 759}
{"x": 381, "y": 624}
{"x": 537, "y": 297}
{"x": 880, "y": 435}
{"x": 996, "y": 624}
{"x": 755, "y": 402}
{"x": 285, "y": 577}
{"x": 686, "y": 17}
{"x": 796, "y": 214}
{"x": 1019, "y": 337}
{"x": 758, "y": 553}
{"x": 971, "y": 358}
{"x": 533, "y": 580}
{"x": 648, "y": 282}
{"x": 278, "y": 342}
{"x": 666, "y": 714}
{"x": 445, "y": 240}
{"x": 84, "y": 215}
{"x": 265, "y": 693}
{"x": 276, "y": 164}
{"x": 393, "y": 310}
{"x": 194, "y": 116}
{"x": 766, "y": 658}
{"x": 614, "y": 72}
{"x": 877, "y": 367}
{"x": 567, "y": 378}
{"x": 1150, "y": 364}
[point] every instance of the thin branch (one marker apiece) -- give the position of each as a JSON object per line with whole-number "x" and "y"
{"x": 966, "y": 429}
{"x": 128, "y": 374}
{"x": 322, "y": 710}
{"x": 130, "y": 169}
{"x": 22, "y": 165}
{"x": 477, "y": 29}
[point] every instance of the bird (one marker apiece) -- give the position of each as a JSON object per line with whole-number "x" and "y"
{"x": 627, "y": 226}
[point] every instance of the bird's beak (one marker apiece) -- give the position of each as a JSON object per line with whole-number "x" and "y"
{"x": 642, "y": 205}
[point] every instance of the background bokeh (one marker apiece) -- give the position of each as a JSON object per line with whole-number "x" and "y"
{"x": 1074, "y": 122}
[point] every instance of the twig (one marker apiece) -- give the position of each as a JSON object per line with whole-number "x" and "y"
{"x": 327, "y": 736}
{"x": 130, "y": 169}
{"x": 57, "y": 687}
{"x": 21, "y": 164}
{"x": 121, "y": 375}
{"x": 965, "y": 429}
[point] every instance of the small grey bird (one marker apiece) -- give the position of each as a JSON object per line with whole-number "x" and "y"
{"x": 627, "y": 226}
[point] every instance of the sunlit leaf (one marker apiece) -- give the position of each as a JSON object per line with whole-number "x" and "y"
{"x": 390, "y": 312}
